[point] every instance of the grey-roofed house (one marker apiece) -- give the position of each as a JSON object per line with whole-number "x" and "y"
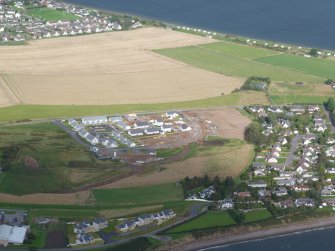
{"x": 94, "y": 120}
{"x": 136, "y": 132}
{"x": 140, "y": 124}
{"x": 151, "y": 131}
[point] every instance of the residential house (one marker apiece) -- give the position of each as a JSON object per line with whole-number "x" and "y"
{"x": 136, "y": 132}
{"x": 141, "y": 125}
{"x": 185, "y": 128}
{"x": 226, "y": 204}
{"x": 94, "y": 120}
{"x": 151, "y": 131}
{"x": 304, "y": 202}
{"x": 257, "y": 184}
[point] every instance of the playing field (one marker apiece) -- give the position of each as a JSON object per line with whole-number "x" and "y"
{"x": 245, "y": 61}
{"x": 108, "y": 68}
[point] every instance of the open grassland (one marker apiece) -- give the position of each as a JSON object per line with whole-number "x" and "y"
{"x": 311, "y": 66}
{"x": 209, "y": 220}
{"x": 212, "y": 160}
{"x": 108, "y": 68}
{"x": 286, "y": 93}
{"x": 50, "y": 14}
{"x": 241, "y": 60}
{"x": 138, "y": 196}
{"x": 58, "y": 157}
{"x": 21, "y": 112}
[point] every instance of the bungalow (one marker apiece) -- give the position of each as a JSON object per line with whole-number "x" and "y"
{"x": 94, "y": 120}
{"x": 280, "y": 191}
{"x": 286, "y": 204}
{"x": 226, "y": 204}
{"x": 298, "y": 109}
{"x": 126, "y": 226}
{"x": 271, "y": 158}
{"x": 12, "y": 235}
{"x": 275, "y": 109}
{"x": 207, "y": 193}
{"x": 82, "y": 227}
{"x": 158, "y": 122}
{"x": 300, "y": 188}
{"x": 166, "y": 128}
{"x": 99, "y": 224}
{"x": 286, "y": 182}
{"x": 243, "y": 194}
{"x": 19, "y": 38}
{"x": 264, "y": 193}
{"x": 136, "y": 132}
{"x": 330, "y": 152}
{"x": 124, "y": 126}
{"x": 171, "y": 114}
{"x": 140, "y": 124}
{"x": 257, "y": 184}
{"x": 313, "y": 108}
{"x": 304, "y": 202}
{"x": 257, "y": 109}
{"x": 84, "y": 239}
{"x": 329, "y": 202}
{"x": 185, "y": 128}
{"x": 151, "y": 131}
{"x": 282, "y": 140}
{"x": 109, "y": 143}
{"x": 83, "y": 133}
{"x": 115, "y": 119}
{"x": 136, "y": 25}
{"x": 92, "y": 139}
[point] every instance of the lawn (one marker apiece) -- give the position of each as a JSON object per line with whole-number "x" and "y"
{"x": 138, "y": 196}
{"x": 60, "y": 160}
{"x": 239, "y": 50}
{"x": 24, "y": 112}
{"x": 64, "y": 213}
{"x": 312, "y": 66}
{"x": 298, "y": 99}
{"x": 50, "y": 14}
{"x": 209, "y": 220}
{"x": 257, "y": 215}
{"x": 224, "y": 59}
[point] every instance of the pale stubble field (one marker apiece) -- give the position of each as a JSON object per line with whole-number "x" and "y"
{"x": 109, "y": 68}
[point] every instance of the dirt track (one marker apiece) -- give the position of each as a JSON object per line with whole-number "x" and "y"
{"x": 109, "y": 68}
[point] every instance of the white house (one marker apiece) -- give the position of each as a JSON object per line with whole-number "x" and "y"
{"x": 166, "y": 128}
{"x": 94, "y": 120}
{"x": 12, "y": 235}
{"x": 152, "y": 131}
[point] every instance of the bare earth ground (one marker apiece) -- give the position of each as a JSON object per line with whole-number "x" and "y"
{"x": 228, "y": 162}
{"x": 228, "y": 121}
{"x": 79, "y": 198}
{"x": 108, "y": 68}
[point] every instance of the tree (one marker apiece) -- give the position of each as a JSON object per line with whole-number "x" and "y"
{"x": 330, "y": 104}
{"x": 329, "y": 81}
{"x": 254, "y": 135}
{"x": 313, "y": 52}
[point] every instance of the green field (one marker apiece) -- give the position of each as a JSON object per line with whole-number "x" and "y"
{"x": 22, "y": 112}
{"x": 312, "y": 66}
{"x": 57, "y": 155}
{"x": 169, "y": 152}
{"x": 237, "y": 60}
{"x": 50, "y": 14}
{"x": 138, "y": 196}
{"x": 209, "y": 220}
{"x": 257, "y": 215}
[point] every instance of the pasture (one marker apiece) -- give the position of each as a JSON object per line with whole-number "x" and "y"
{"x": 311, "y": 66}
{"x": 138, "y": 196}
{"x": 241, "y": 61}
{"x": 208, "y": 220}
{"x": 286, "y": 93}
{"x": 108, "y": 68}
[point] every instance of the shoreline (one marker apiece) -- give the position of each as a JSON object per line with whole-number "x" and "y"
{"x": 175, "y": 24}
{"x": 266, "y": 233}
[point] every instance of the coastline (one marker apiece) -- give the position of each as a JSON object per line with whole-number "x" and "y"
{"x": 175, "y": 24}
{"x": 266, "y": 233}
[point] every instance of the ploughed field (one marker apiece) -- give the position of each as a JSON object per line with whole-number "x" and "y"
{"x": 109, "y": 68}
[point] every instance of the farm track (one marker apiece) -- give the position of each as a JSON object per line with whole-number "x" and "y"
{"x": 7, "y": 96}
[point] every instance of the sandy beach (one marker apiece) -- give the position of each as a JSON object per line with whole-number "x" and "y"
{"x": 208, "y": 243}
